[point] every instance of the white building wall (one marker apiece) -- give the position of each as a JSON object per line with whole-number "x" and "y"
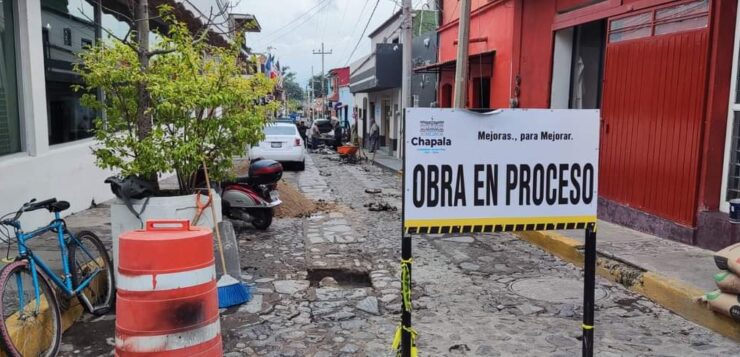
{"x": 732, "y": 122}
{"x": 65, "y": 171}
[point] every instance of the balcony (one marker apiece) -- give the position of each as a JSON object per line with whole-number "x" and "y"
{"x": 380, "y": 71}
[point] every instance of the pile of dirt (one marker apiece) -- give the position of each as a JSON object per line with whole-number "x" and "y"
{"x": 295, "y": 204}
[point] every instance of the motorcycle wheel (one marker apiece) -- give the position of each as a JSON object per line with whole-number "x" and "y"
{"x": 262, "y": 218}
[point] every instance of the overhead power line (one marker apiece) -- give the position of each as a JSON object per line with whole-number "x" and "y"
{"x": 295, "y": 22}
{"x": 363, "y": 32}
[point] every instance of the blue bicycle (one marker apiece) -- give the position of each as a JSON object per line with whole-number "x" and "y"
{"x": 31, "y": 318}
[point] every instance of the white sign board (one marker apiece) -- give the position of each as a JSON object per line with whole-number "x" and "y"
{"x": 509, "y": 170}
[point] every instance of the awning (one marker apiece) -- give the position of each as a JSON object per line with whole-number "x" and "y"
{"x": 436, "y": 67}
{"x": 449, "y": 66}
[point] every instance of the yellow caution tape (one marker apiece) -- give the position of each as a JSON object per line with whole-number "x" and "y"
{"x": 406, "y": 283}
{"x": 396, "y": 346}
{"x": 406, "y": 297}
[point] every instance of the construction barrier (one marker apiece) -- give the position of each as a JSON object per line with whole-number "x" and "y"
{"x": 167, "y": 296}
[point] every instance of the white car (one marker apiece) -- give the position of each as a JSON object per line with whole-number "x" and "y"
{"x": 282, "y": 143}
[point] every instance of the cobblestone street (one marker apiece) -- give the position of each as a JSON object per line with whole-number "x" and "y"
{"x": 328, "y": 285}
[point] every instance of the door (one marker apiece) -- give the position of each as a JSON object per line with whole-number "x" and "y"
{"x": 385, "y": 127}
{"x": 652, "y": 110}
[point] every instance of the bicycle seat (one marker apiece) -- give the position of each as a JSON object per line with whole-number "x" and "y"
{"x": 58, "y": 206}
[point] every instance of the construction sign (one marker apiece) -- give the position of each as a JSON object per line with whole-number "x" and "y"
{"x": 507, "y": 170}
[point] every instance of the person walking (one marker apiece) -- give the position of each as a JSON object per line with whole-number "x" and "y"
{"x": 315, "y": 133}
{"x": 374, "y": 135}
{"x": 337, "y": 133}
{"x": 302, "y": 131}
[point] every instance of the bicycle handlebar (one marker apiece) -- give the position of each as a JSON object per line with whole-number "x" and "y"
{"x": 32, "y": 206}
{"x": 29, "y": 206}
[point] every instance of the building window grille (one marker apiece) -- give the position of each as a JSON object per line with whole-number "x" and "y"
{"x": 10, "y": 140}
{"x": 685, "y": 16}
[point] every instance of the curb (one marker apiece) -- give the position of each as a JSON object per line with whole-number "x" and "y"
{"x": 672, "y": 294}
{"x": 69, "y": 316}
{"x": 384, "y": 167}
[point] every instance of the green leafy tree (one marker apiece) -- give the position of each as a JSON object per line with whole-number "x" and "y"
{"x": 314, "y": 84}
{"x": 202, "y": 106}
{"x": 292, "y": 89}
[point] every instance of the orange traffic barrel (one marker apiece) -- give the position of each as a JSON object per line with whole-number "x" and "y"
{"x": 167, "y": 296}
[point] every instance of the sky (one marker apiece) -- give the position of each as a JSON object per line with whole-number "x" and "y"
{"x": 294, "y": 28}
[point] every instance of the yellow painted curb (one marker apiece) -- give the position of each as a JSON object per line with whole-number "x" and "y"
{"x": 558, "y": 245}
{"x": 68, "y": 318}
{"x": 681, "y": 299}
{"x": 672, "y": 294}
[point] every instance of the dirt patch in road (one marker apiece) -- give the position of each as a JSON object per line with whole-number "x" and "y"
{"x": 295, "y": 204}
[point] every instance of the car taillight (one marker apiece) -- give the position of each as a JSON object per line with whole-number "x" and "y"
{"x": 297, "y": 141}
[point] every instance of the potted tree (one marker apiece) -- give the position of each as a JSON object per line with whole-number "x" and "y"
{"x": 190, "y": 102}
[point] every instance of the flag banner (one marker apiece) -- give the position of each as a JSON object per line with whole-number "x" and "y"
{"x": 508, "y": 170}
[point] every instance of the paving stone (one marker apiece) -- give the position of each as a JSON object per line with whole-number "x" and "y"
{"x": 369, "y": 305}
{"x": 350, "y": 348}
{"x": 291, "y": 287}
{"x": 469, "y": 266}
{"x": 461, "y": 239}
{"x": 253, "y": 306}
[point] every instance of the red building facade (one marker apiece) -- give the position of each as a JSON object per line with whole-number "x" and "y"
{"x": 659, "y": 70}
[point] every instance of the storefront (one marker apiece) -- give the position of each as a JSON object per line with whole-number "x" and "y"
{"x": 657, "y": 69}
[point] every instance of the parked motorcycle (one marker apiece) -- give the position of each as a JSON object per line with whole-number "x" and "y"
{"x": 252, "y": 198}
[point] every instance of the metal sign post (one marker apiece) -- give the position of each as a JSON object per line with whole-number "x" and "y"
{"x": 510, "y": 170}
{"x": 589, "y": 286}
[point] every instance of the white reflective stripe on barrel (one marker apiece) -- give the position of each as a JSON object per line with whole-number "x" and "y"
{"x": 174, "y": 341}
{"x": 166, "y": 281}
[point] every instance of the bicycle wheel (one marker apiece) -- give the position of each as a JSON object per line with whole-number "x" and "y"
{"x": 86, "y": 255}
{"x": 28, "y": 327}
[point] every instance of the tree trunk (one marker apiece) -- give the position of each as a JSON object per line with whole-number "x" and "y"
{"x": 143, "y": 118}
{"x": 143, "y": 121}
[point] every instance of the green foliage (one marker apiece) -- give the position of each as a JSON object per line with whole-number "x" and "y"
{"x": 314, "y": 83}
{"x": 292, "y": 89}
{"x": 202, "y": 105}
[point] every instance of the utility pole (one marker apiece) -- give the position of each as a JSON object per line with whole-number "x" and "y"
{"x": 322, "y": 53}
{"x": 407, "y": 340}
{"x": 310, "y": 97}
{"x": 406, "y": 33}
{"x": 461, "y": 66}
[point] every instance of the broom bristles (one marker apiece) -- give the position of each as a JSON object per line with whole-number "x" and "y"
{"x": 231, "y": 292}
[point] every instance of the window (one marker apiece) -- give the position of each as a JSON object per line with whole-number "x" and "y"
{"x": 587, "y": 66}
{"x": 682, "y": 17}
{"x": 68, "y": 37}
{"x": 68, "y": 27}
{"x": 482, "y": 93}
{"x": 280, "y": 130}
{"x": 10, "y": 139}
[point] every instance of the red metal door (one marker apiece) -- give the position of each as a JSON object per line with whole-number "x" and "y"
{"x": 652, "y": 112}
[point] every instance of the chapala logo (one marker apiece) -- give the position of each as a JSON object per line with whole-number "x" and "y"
{"x": 432, "y": 142}
{"x": 431, "y": 136}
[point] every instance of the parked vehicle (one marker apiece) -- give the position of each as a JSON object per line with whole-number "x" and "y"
{"x": 282, "y": 143}
{"x": 28, "y": 302}
{"x": 327, "y": 131}
{"x": 252, "y": 198}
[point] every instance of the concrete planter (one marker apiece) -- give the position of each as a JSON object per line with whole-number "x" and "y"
{"x": 169, "y": 207}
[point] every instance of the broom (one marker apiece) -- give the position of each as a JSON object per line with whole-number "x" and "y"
{"x": 230, "y": 291}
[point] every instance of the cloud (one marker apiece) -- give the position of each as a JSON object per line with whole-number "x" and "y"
{"x": 297, "y": 27}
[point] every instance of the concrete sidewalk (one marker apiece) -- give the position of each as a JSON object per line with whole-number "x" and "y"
{"x": 386, "y": 161}
{"x": 670, "y": 273}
